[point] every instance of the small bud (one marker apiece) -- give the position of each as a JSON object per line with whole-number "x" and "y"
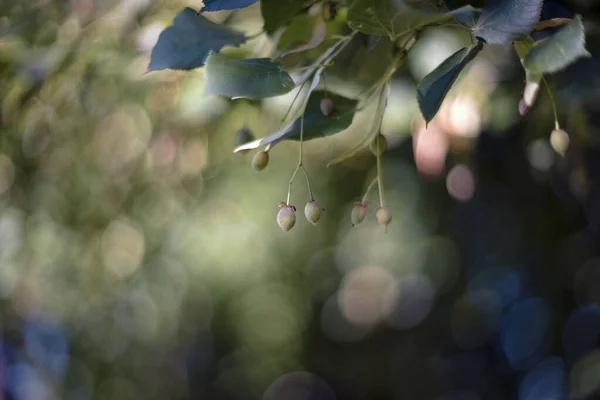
{"x": 384, "y": 216}
{"x": 523, "y": 107}
{"x": 242, "y": 137}
{"x": 260, "y": 160}
{"x": 559, "y": 139}
{"x": 326, "y": 106}
{"x": 358, "y": 213}
{"x": 286, "y": 217}
{"x": 379, "y": 144}
{"x": 313, "y": 211}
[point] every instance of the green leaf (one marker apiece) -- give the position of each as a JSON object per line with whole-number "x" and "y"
{"x": 558, "y": 51}
{"x": 361, "y": 62}
{"x": 393, "y": 18}
{"x": 277, "y": 13}
{"x": 188, "y": 41}
{"x": 368, "y": 138}
{"x": 219, "y": 5}
{"x": 318, "y": 35}
{"x": 254, "y": 78}
{"x": 302, "y": 99}
{"x": 522, "y": 46}
{"x": 503, "y": 21}
{"x": 299, "y": 30}
{"x": 433, "y": 88}
{"x": 317, "y": 125}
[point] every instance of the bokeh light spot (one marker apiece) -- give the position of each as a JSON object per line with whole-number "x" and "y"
{"x": 121, "y": 138}
{"x": 460, "y": 183}
{"x": 409, "y": 301}
{"x": 504, "y": 281}
{"x": 586, "y": 285}
{"x": 25, "y": 383}
{"x": 525, "y": 332}
{"x": 299, "y": 385}
{"x": 584, "y": 378}
{"x": 269, "y": 316}
{"x": 463, "y": 117}
{"x": 337, "y": 328}
{"x": 541, "y": 155}
{"x": 194, "y": 157}
{"x": 48, "y": 347}
{"x": 581, "y": 331}
{"x": 544, "y": 381}
{"x": 7, "y": 173}
{"x": 475, "y": 317}
{"x": 430, "y": 146}
{"x": 123, "y": 247}
{"x": 361, "y": 295}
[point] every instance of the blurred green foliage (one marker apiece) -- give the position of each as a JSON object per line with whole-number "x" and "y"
{"x": 141, "y": 259}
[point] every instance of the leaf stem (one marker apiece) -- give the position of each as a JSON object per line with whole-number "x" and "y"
{"x": 300, "y": 164}
{"x": 325, "y": 60}
{"x": 369, "y": 188}
{"x": 384, "y": 80}
{"x": 556, "y": 124}
{"x": 310, "y": 193}
{"x": 379, "y": 173}
{"x": 287, "y": 113}
{"x": 322, "y": 62}
{"x": 301, "y": 136}
{"x": 368, "y": 138}
{"x": 289, "y": 194}
{"x": 301, "y": 161}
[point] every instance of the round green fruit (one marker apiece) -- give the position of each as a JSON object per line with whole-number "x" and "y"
{"x": 384, "y": 216}
{"x": 313, "y": 212}
{"x": 260, "y": 161}
{"x": 359, "y": 211}
{"x": 286, "y": 217}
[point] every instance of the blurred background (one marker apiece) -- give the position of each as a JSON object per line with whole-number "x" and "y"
{"x": 141, "y": 259}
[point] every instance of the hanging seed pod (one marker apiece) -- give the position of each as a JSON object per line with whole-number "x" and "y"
{"x": 260, "y": 161}
{"x": 326, "y": 106}
{"x": 559, "y": 139}
{"x": 312, "y": 212}
{"x": 384, "y": 216}
{"x": 359, "y": 211}
{"x": 286, "y": 217}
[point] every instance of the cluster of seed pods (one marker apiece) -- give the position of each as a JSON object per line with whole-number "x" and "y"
{"x": 286, "y": 216}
